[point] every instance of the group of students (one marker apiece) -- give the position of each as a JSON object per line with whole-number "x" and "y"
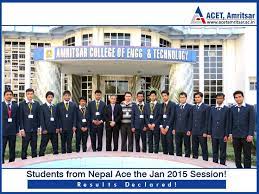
{"x": 152, "y": 123}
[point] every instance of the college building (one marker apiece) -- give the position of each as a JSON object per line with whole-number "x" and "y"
{"x": 116, "y": 59}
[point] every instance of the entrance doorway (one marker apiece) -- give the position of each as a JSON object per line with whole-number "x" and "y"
{"x": 115, "y": 87}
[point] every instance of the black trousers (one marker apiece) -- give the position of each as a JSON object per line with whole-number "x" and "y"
{"x": 196, "y": 141}
{"x": 97, "y": 132}
{"x": 240, "y": 144}
{"x": 11, "y": 140}
{"x": 219, "y": 146}
{"x": 112, "y": 133}
{"x": 139, "y": 133}
{"x": 45, "y": 138}
{"x": 153, "y": 140}
{"x": 81, "y": 138}
{"x": 66, "y": 141}
{"x": 30, "y": 138}
{"x": 126, "y": 137}
{"x": 168, "y": 143}
{"x": 180, "y": 138}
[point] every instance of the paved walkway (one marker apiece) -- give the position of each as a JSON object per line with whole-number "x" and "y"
{"x": 197, "y": 162}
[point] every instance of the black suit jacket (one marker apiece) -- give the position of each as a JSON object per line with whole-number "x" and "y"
{"x": 66, "y": 123}
{"x": 182, "y": 122}
{"x": 13, "y": 127}
{"x": 199, "y": 119}
{"x": 80, "y": 117}
{"x": 26, "y": 123}
{"x": 45, "y": 115}
{"x": 117, "y": 113}
{"x": 92, "y": 111}
{"x": 170, "y": 111}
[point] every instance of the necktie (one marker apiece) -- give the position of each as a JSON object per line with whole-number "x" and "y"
{"x": 9, "y": 106}
{"x": 9, "y": 110}
{"x": 50, "y": 108}
{"x": 218, "y": 108}
{"x": 152, "y": 107}
{"x": 238, "y": 109}
{"x": 112, "y": 112}
{"x": 83, "y": 110}
{"x": 198, "y": 107}
{"x": 140, "y": 107}
{"x": 30, "y": 106}
{"x": 182, "y": 107}
{"x": 67, "y": 105}
{"x": 97, "y": 105}
{"x": 165, "y": 107}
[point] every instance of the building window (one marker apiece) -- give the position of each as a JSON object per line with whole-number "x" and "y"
{"x": 65, "y": 82}
{"x": 33, "y": 67}
{"x": 167, "y": 82}
{"x": 196, "y": 71}
{"x": 14, "y": 57}
{"x": 69, "y": 41}
{"x": 115, "y": 87}
{"x": 213, "y": 73}
{"x": 87, "y": 87}
{"x": 117, "y": 39}
{"x": 252, "y": 83}
{"x": 7, "y": 87}
{"x": 145, "y": 40}
{"x": 145, "y": 83}
{"x": 87, "y": 39}
{"x": 164, "y": 43}
{"x": 21, "y": 87}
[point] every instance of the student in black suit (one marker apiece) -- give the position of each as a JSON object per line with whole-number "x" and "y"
{"x": 242, "y": 127}
{"x": 49, "y": 125}
{"x": 67, "y": 111}
{"x": 10, "y": 125}
{"x": 82, "y": 125}
{"x": 96, "y": 110}
{"x": 29, "y": 123}
{"x": 218, "y": 129}
{"x": 138, "y": 122}
{"x": 152, "y": 119}
{"x": 113, "y": 115}
{"x": 166, "y": 123}
{"x": 199, "y": 127}
{"x": 182, "y": 125}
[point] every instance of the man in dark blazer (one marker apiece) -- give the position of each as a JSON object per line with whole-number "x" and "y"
{"x": 113, "y": 115}
{"x": 199, "y": 127}
{"x": 67, "y": 111}
{"x": 82, "y": 125}
{"x": 49, "y": 125}
{"x": 96, "y": 110}
{"x": 29, "y": 116}
{"x": 10, "y": 124}
{"x": 218, "y": 129}
{"x": 138, "y": 122}
{"x": 152, "y": 119}
{"x": 242, "y": 127}
{"x": 182, "y": 125}
{"x": 167, "y": 115}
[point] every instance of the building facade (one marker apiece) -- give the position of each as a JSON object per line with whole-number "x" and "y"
{"x": 225, "y": 61}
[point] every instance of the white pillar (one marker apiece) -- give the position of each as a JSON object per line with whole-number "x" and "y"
{"x": 48, "y": 79}
{"x": 181, "y": 80}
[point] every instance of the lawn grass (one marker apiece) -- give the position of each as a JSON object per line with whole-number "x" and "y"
{"x": 230, "y": 150}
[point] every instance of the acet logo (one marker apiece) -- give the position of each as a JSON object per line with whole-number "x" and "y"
{"x": 198, "y": 17}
